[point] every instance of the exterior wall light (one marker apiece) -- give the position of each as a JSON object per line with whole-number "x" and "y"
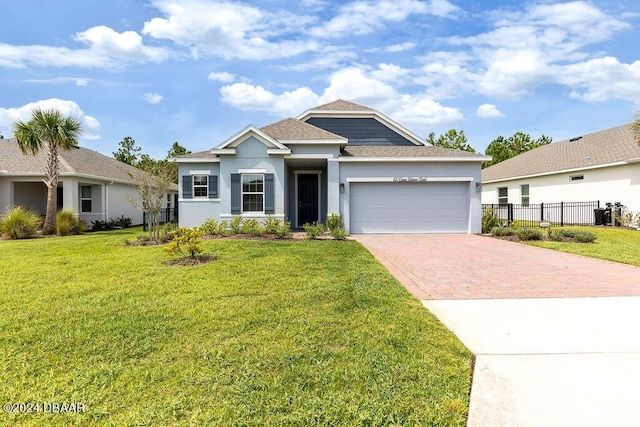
{"x": 342, "y": 187}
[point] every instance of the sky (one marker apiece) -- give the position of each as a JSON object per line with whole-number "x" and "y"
{"x": 198, "y": 71}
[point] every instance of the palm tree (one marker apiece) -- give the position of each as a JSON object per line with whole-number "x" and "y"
{"x": 50, "y": 130}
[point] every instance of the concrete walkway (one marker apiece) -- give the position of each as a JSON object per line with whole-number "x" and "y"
{"x": 571, "y": 358}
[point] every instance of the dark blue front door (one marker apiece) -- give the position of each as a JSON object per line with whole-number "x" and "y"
{"x": 307, "y": 199}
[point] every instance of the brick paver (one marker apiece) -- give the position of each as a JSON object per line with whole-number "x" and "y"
{"x": 477, "y": 267}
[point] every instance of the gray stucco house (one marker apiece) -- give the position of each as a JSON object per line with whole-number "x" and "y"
{"x": 341, "y": 158}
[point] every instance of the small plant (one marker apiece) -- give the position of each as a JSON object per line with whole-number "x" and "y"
{"x": 580, "y": 236}
{"x": 334, "y": 221}
{"x": 167, "y": 232}
{"x": 529, "y": 234}
{"x": 489, "y": 220}
{"x": 212, "y": 227}
{"x": 284, "y": 231}
{"x": 186, "y": 242}
{"x": 122, "y": 222}
{"x": 67, "y": 223}
{"x": 628, "y": 218}
{"x": 20, "y": 223}
{"x": 516, "y": 224}
{"x": 272, "y": 225}
{"x": 339, "y": 233}
{"x": 235, "y": 225}
{"x": 252, "y": 227}
{"x": 314, "y": 230}
{"x": 502, "y": 231}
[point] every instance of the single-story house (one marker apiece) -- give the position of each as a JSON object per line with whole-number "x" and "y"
{"x": 603, "y": 166}
{"x": 95, "y": 186}
{"x": 341, "y": 158}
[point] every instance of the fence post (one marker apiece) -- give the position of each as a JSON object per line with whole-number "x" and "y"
{"x": 144, "y": 221}
{"x": 541, "y": 212}
{"x": 509, "y": 213}
{"x": 561, "y": 214}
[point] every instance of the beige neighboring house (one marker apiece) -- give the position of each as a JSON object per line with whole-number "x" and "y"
{"x": 602, "y": 166}
{"x": 91, "y": 184}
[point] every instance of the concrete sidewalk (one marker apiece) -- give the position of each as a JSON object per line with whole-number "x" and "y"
{"x": 550, "y": 362}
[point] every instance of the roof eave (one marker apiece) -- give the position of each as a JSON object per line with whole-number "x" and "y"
{"x": 432, "y": 159}
{"x": 557, "y": 172}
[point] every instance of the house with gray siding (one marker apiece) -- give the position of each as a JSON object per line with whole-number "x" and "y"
{"x": 341, "y": 158}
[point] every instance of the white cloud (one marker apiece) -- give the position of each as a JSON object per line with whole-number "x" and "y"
{"x": 603, "y": 79}
{"x": 400, "y": 47}
{"x": 152, "y": 98}
{"x": 229, "y": 29}
{"x": 90, "y": 125}
{"x": 352, "y": 84}
{"x": 488, "y": 111}
{"x": 222, "y": 77}
{"x": 364, "y": 17}
{"x": 78, "y": 81}
{"x": 106, "y": 48}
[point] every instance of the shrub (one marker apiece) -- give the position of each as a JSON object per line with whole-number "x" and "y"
{"x": 167, "y": 232}
{"x": 122, "y": 222}
{"x": 67, "y": 223}
{"x": 20, "y": 223}
{"x": 516, "y": 224}
{"x": 580, "y": 236}
{"x": 529, "y": 234}
{"x": 334, "y": 221}
{"x": 339, "y": 233}
{"x": 236, "y": 225}
{"x": 489, "y": 220}
{"x": 252, "y": 227}
{"x": 502, "y": 231}
{"x": 186, "y": 241}
{"x": 313, "y": 230}
{"x": 284, "y": 231}
{"x": 272, "y": 225}
{"x": 213, "y": 227}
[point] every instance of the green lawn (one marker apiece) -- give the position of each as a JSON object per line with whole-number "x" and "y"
{"x": 273, "y": 333}
{"x": 613, "y": 244}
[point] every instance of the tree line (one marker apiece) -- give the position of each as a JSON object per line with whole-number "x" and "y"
{"x": 500, "y": 149}
{"x": 130, "y": 154}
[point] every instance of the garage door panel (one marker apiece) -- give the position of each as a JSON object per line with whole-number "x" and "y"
{"x": 441, "y": 207}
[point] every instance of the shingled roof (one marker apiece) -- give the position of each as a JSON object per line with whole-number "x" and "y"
{"x": 292, "y": 129}
{"x": 79, "y": 160}
{"x": 342, "y": 105}
{"x": 408, "y": 151}
{"x": 605, "y": 147}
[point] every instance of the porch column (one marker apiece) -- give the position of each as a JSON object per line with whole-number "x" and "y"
{"x": 70, "y": 195}
{"x": 333, "y": 186}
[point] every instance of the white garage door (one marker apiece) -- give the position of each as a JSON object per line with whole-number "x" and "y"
{"x": 408, "y": 207}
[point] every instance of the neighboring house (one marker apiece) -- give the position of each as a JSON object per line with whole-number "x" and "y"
{"x": 339, "y": 158}
{"x": 93, "y": 185}
{"x": 602, "y": 166}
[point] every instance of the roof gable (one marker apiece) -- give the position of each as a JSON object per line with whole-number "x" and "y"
{"x": 603, "y": 148}
{"x": 273, "y": 146}
{"x": 342, "y": 109}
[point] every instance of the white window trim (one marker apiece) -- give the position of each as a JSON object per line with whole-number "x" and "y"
{"x": 498, "y": 194}
{"x": 193, "y": 186}
{"x": 82, "y": 199}
{"x": 242, "y": 193}
{"x": 528, "y": 195}
{"x": 307, "y": 172}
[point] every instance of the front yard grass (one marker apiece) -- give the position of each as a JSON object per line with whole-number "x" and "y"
{"x": 272, "y": 333}
{"x": 613, "y": 244}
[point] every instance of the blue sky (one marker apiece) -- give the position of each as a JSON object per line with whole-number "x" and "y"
{"x": 198, "y": 71}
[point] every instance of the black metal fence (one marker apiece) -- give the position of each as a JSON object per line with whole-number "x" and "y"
{"x": 166, "y": 215}
{"x": 562, "y": 213}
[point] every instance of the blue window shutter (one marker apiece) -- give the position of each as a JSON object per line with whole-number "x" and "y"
{"x": 213, "y": 186}
{"x": 187, "y": 187}
{"x": 236, "y": 195}
{"x": 269, "y": 194}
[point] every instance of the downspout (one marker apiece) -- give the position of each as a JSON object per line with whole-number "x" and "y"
{"x": 106, "y": 201}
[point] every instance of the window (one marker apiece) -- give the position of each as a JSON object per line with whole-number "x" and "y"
{"x": 524, "y": 194}
{"x": 85, "y": 198}
{"x": 168, "y": 200}
{"x": 200, "y": 186}
{"x": 252, "y": 193}
{"x": 576, "y": 177}
{"x": 503, "y": 197}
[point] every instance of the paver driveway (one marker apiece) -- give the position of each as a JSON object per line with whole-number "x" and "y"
{"x": 472, "y": 267}
{"x": 547, "y": 352}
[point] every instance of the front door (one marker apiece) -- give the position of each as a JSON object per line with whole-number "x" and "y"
{"x": 307, "y": 199}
